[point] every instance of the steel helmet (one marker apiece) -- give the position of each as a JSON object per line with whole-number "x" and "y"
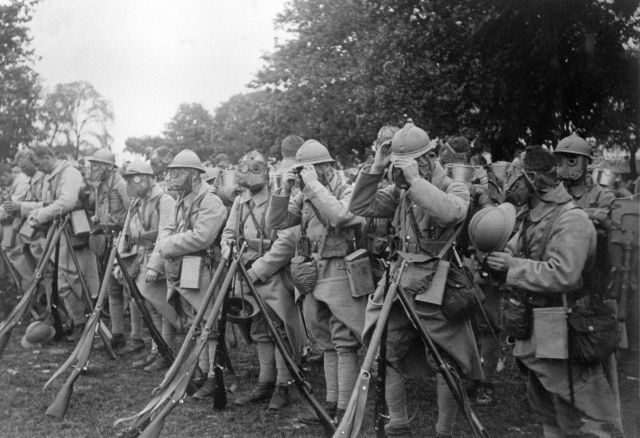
{"x": 575, "y": 145}
{"x": 188, "y": 159}
{"x": 312, "y": 152}
{"x": 139, "y": 167}
{"x": 386, "y": 133}
{"x": 37, "y": 332}
{"x": 103, "y": 156}
{"x": 491, "y": 227}
{"x": 410, "y": 142}
{"x": 242, "y": 311}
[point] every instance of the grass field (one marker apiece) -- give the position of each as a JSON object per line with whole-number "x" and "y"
{"x": 112, "y": 389}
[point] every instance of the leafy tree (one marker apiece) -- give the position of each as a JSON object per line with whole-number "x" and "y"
{"x": 143, "y": 145}
{"x": 19, "y": 88}
{"x": 190, "y": 128}
{"x": 75, "y": 117}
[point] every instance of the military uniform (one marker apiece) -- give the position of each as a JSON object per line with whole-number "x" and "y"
{"x": 16, "y": 192}
{"x": 550, "y": 271}
{"x": 62, "y": 188}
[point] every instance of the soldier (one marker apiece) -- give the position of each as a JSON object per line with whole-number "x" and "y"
{"x": 63, "y": 184}
{"x": 288, "y": 148}
{"x": 334, "y": 318}
{"x": 546, "y": 258}
{"x": 268, "y": 254}
{"x": 160, "y": 159}
{"x": 198, "y": 218}
{"x": 16, "y": 187}
{"x": 573, "y": 154}
{"x": 111, "y": 205}
{"x": 28, "y": 249}
{"x": 152, "y": 209}
{"x": 426, "y": 205}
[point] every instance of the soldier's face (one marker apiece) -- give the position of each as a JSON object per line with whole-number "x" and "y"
{"x": 46, "y": 164}
{"x": 27, "y": 166}
{"x": 99, "y": 171}
{"x": 571, "y": 167}
{"x": 138, "y": 185}
{"x": 181, "y": 180}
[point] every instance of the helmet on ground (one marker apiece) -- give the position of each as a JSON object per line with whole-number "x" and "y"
{"x": 138, "y": 167}
{"x": 410, "y": 142}
{"x": 242, "y": 311}
{"x": 37, "y": 332}
{"x": 103, "y": 156}
{"x": 312, "y": 152}
{"x": 187, "y": 159}
{"x": 491, "y": 227}
{"x": 574, "y": 144}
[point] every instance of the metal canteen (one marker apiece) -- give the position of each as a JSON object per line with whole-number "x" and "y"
{"x": 460, "y": 172}
{"x": 605, "y": 177}
{"x": 501, "y": 169}
{"x": 227, "y": 178}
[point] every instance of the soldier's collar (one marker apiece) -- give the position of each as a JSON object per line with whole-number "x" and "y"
{"x": 259, "y": 198}
{"x": 553, "y": 198}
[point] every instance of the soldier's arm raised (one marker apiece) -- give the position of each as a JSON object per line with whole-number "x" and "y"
{"x": 229, "y": 232}
{"x": 284, "y": 212}
{"x": 369, "y": 201}
{"x": 446, "y": 207}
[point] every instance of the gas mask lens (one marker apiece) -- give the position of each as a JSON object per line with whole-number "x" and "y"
{"x": 254, "y": 167}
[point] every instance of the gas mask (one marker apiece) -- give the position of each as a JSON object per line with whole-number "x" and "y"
{"x": 571, "y": 168}
{"x": 137, "y": 185}
{"x": 252, "y": 172}
{"x": 523, "y": 186}
{"x": 99, "y": 171}
{"x": 425, "y": 168}
{"x": 181, "y": 180}
{"x": 325, "y": 173}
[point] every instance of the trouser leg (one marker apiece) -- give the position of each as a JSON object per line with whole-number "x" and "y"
{"x": 74, "y": 305}
{"x": 396, "y": 397}
{"x": 347, "y": 376}
{"x": 331, "y": 375}
{"x": 447, "y": 408}
{"x": 116, "y": 307}
{"x": 266, "y": 357}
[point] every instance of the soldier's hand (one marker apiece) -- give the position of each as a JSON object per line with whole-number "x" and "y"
{"x": 225, "y": 250}
{"x": 11, "y": 207}
{"x": 117, "y": 274}
{"x": 308, "y": 174}
{"x": 409, "y": 168}
{"x": 382, "y": 157}
{"x": 289, "y": 181}
{"x": 32, "y": 220}
{"x": 151, "y": 276}
{"x": 253, "y": 277}
{"x": 500, "y": 261}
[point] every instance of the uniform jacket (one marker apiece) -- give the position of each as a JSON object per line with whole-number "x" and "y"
{"x": 112, "y": 200}
{"x": 34, "y": 195}
{"x": 550, "y": 271}
{"x": 591, "y": 195}
{"x": 62, "y": 187}
{"x": 323, "y": 212}
{"x": 16, "y": 192}
{"x": 193, "y": 226}
{"x": 436, "y": 206}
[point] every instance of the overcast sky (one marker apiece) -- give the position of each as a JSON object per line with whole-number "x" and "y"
{"x": 149, "y": 56}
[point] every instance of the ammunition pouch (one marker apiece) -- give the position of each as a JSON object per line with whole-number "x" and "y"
{"x": 359, "y": 273}
{"x": 517, "y": 319}
{"x": 304, "y": 273}
{"x": 593, "y": 332}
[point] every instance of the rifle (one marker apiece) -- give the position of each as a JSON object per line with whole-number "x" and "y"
{"x": 352, "y": 419}
{"x": 294, "y": 369}
{"x": 148, "y": 427}
{"x": 102, "y": 328}
{"x": 54, "y": 300}
{"x": 185, "y": 363}
{"x": 380, "y": 407}
{"x": 448, "y": 372}
{"x": 13, "y": 274}
{"x": 7, "y": 326}
{"x": 220, "y": 394}
{"x": 164, "y": 350}
{"x": 81, "y": 353}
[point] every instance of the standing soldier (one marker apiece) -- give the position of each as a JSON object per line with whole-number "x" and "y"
{"x": 334, "y": 317}
{"x": 425, "y": 205}
{"x": 185, "y": 242}
{"x": 152, "y": 209}
{"x": 28, "y": 249}
{"x": 16, "y": 187}
{"x": 554, "y": 246}
{"x": 288, "y": 148}
{"x": 268, "y": 254}
{"x": 63, "y": 183}
{"x": 111, "y": 205}
{"x": 573, "y": 155}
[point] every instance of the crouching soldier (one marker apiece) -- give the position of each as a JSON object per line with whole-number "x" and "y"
{"x": 544, "y": 265}
{"x": 425, "y": 205}
{"x": 152, "y": 208}
{"x": 268, "y": 255}
{"x": 327, "y": 229}
{"x": 185, "y": 242}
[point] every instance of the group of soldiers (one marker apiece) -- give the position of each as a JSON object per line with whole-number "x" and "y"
{"x": 178, "y": 221}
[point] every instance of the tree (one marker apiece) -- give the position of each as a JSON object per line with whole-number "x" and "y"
{"x": 190, "y": 128}
{"x": 143, "y": 145}
{"x": 19, "y": 88}
{"x": 75, "y": 117}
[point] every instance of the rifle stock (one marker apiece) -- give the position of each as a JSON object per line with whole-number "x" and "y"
{"x": 59, "y": 406}
{"x": 297, "y": 375}
{"x": 220, "y": 393}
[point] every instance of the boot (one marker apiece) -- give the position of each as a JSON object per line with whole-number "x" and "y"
{"x": 280, "y": 398}
{"x": 133, "y": 346}
{"x": 158, "y": 364}
{"x": 118, "y": 341}
{"x": 75, "y": 335}
{"x": 206, "y": 390}
{"x": 147, "y": 360}
{"x": 261, "y": 391}
{"x": 398, "y": 431}
{"x": 311, "y": 417}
